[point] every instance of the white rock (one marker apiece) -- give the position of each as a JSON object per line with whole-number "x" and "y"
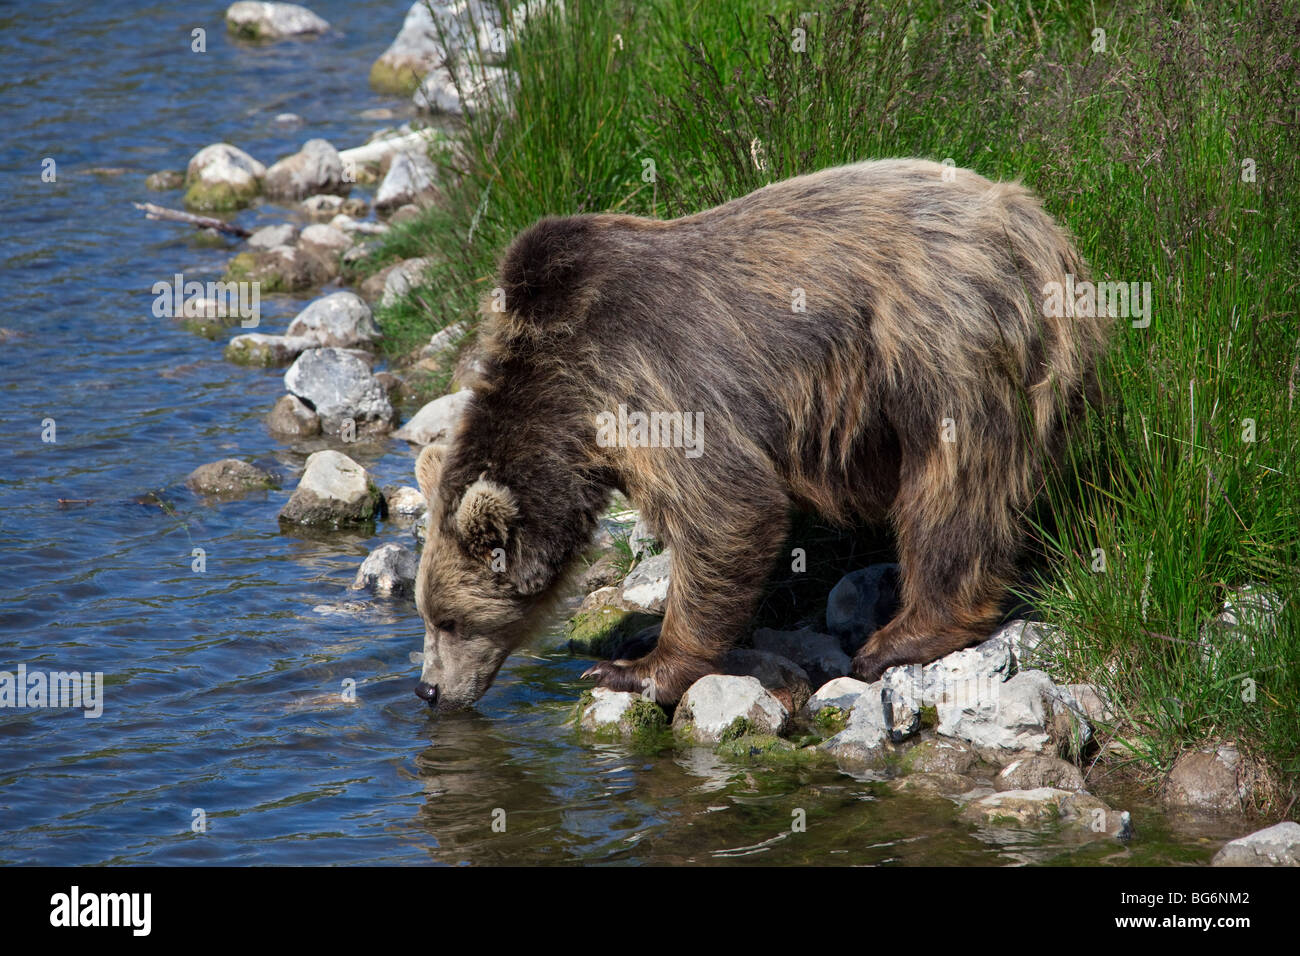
{"x": 333, "y": 489}
{"x": 326, "y": 238}
{"x": 339, "y": 385}
{"x": 269, "y": 237}
{"x": 267, "y": 351}
{"x": 444, "y": 341}
{"x": 900, "y": 710}
{"x": 272, "y": 21}
{"x": 407, "y": 502}
{"x": 1250, "y": 613}
{"x": 223, "y": 153}
{"x": 419, "y": 45}
{"x": 322, "y": 206}
{"x": 863, "y": 739}
{"x": 1043, "y": 805}
{"x": 292, "y": 418}
{"x": 436, "y": 421}
{"x": 842, "y": 693}
{"x": 470, "y": 90}
{"x": 641, "y": 539}
{"x": 1095, "y": 702}
{"x": 222, "y": 170}
{"x": 1004, "y": 715}
{"x": 646, "y": 588}
{"x": 1278, "y": 845}
{"x": 390, "y": 569}
{"x": 609, "y": 710}
{"x": 410, "y": 179}
{"x": 407, "y": 275}
{"x": 713, "y": 703}
{"x": 783, "y": 678}
{"x": 316, "y": 168}
{"x": 1253, "y": 608}
{"x": 340, "y": 320}
{"x": 345, "y": 223}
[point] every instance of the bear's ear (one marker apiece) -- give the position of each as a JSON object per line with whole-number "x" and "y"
{"x": 428, "y": 469}
{"x": 486, "y": 512}
{"x": 545, "y": 267}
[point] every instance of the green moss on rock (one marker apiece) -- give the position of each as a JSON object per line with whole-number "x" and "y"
{"x": 600, "y": 631}
{"x": 645, "y": 715}
{"x": 219, "y": 197}
{"x": 740, "y": 727}
{"x": 769, "y": 750}
{"x": 830, "y": 720}
{"x": 287, "y": 270}
{"x": 386, "y": 77}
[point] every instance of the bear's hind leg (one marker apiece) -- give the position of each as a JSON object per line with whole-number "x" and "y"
{"x": 957, "y": 546}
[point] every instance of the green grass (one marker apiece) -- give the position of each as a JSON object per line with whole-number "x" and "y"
{"x": 1137, "y": 149}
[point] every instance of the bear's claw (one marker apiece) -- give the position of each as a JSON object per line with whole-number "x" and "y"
{"x": 614, "y": 676}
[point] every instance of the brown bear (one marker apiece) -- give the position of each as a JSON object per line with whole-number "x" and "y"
{"x": 866, "y": 342}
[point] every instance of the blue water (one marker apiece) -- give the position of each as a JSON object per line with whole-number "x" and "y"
{"x": 222, "y": 688}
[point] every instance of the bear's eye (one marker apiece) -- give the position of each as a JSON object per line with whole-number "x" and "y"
{"x": 447, "y": 627}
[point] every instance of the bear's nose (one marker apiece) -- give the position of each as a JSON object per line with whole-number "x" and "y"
{"x": 427, "y": 692}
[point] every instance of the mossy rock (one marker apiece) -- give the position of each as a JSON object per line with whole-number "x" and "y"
{"x": 387, "y": 78}
{"x": 769, "y": 750}
{"x": 643, "y": 725}
{"x": 219, "y": 197}
{"x": 939, "y": 755}
{"x": 646, "y": 715}
{"x": 245, "y": 31}
{"x": 243, "y": 267}
{"x": 830, "y": 721}
{"x": 277, "y": 272}
{"x": 367, "y": 174}
{"x": 600, "y": 631}
{"x": 586, "y": 700}
{"x": 252, "y": 267}
{"x": 740, "y": 727}
{"x": 306, "y": 508}
{"x": 209, "y": 328}
{"x": 242, "y": 350}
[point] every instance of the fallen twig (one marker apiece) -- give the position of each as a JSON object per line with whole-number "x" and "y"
{"x": 152, "y": 211}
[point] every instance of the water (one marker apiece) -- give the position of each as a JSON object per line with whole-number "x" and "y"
{"x": 223, "y": 688}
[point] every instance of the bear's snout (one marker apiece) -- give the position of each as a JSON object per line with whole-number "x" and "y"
{"x": 427, "y": 692}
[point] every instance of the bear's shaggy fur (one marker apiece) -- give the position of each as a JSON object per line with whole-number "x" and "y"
{"x": 922, "y": 383}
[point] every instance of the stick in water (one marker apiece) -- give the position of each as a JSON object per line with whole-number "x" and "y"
{"x": 152, "y": 211}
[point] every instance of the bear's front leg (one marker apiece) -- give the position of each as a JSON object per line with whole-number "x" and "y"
{"x": 720, "y": 562}
{"x": 660, "y": 676}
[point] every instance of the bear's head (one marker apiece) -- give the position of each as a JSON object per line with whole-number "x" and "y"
{"x": 481, "y": 585}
